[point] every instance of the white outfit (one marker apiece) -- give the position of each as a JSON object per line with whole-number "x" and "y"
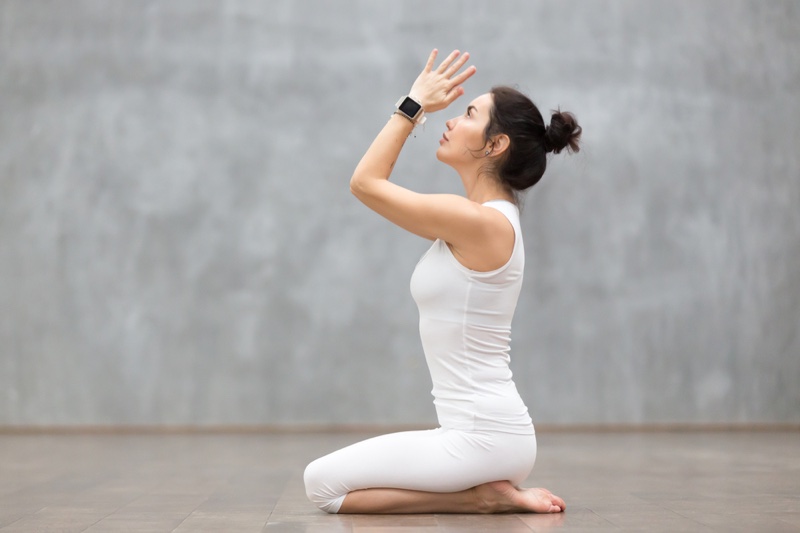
{"x": 486, "y": 433}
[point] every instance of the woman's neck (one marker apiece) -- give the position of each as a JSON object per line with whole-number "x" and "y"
{"x": 481, "y": 188}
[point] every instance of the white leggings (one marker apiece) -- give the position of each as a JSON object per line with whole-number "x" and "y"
{"x": 436, "y": 460}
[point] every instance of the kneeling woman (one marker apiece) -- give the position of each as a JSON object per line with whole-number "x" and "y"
{"x": 466, "y": 287}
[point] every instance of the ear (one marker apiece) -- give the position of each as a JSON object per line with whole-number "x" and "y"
{"x": 500, "y": 144}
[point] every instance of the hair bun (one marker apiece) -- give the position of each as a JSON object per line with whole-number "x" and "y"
{"x": 563, "y": 132}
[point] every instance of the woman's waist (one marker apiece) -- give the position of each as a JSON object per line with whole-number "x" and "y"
{"x": 512, "y": 418}
{"x": 497, "y": 402}
{"x": 501, "y": 405}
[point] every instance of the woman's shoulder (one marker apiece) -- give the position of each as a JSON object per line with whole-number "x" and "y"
{"x": 507, "y": 207}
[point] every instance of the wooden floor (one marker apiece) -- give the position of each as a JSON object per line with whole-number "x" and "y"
{"x": 681, "y": 481}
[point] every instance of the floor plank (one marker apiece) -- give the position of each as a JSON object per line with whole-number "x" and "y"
{"x": 627, "y": 481}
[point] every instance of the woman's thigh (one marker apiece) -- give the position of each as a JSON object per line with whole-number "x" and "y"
{"x": 437, "y": 460}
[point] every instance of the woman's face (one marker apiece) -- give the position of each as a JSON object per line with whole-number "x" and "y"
{"x": 462, "y": 143}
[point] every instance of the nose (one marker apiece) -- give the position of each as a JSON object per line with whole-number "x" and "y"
{"x": 449, "y": 124}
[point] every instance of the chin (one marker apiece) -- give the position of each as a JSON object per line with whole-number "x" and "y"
{"x": 446, "y": 158}
{"x": 441, "y": 155}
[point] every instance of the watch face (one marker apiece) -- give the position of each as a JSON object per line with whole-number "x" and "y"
{"x": 409, "y": 107}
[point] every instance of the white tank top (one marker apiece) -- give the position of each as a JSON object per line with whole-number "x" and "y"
{"x": 465, "y": 324}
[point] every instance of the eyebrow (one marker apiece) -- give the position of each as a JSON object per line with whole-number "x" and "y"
{"x": 473, "y": 108}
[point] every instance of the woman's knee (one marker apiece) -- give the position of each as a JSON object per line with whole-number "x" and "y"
{"x": 319, "y": 487}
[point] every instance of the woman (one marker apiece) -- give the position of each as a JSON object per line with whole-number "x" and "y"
{"x": 466, "y": 287}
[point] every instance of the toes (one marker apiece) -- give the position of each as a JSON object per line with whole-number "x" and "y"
{"x": 555, "y": 500}
{"x": 558, "y": 501}
{"x": 557, "y": 505}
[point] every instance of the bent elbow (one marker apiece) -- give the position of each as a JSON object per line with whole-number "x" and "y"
{"x": 354, "y": 186}
{"x": 357, "y": 186}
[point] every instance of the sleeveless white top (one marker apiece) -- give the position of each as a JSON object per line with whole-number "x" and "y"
{"x": 465, "y": 324}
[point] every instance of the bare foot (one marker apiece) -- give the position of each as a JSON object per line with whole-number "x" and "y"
{"x": 503, "y": 497}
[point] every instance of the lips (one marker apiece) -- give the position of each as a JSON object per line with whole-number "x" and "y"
{"x": 444, "y": 136}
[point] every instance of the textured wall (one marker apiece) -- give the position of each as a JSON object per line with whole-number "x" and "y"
{"x": 178, "y": 243}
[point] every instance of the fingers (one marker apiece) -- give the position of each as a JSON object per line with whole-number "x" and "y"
{"x": 455, "y": 67}
{"x": 440, "y": 86}
{"x": 431, "y": 59}
{"x": 454, "y": 93}
{"x": 464, "y": 76}
{"x": 457, "y": 90}
{"x": 447, "y": 61}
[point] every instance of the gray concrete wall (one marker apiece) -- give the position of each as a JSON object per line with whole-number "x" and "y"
{"x": 178, "y": 244}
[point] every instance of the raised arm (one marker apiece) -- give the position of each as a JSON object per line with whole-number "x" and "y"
{"x": 449, "y": 217}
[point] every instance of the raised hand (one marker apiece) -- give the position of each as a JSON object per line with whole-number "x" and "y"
{"x": 437, "y": 89}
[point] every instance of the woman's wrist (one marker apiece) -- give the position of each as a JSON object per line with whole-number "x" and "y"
{"x": 406, "y": 118}
{"x": 411, "y": 108}
{"x": 419, "y": 100}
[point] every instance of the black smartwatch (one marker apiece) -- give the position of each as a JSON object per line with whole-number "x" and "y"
{"x": 411, "y": 109}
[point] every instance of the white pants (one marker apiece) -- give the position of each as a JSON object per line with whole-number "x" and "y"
{"x": 436, "y": 460}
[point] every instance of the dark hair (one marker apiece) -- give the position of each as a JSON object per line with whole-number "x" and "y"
{"x": 524, "y": 161}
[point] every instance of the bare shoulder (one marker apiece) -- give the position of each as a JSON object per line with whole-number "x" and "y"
{"x": 490, "y": 246}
